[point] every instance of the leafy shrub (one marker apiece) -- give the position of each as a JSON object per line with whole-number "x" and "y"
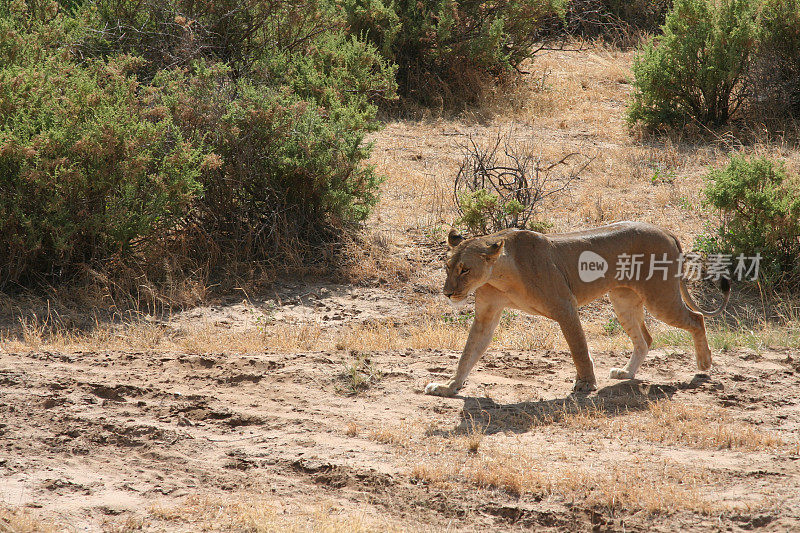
{"x": 282, "y": 97}
{"x": 774, "y": 80}
{"x": 483, "y": 212}
{"x": 86, "y": 170}
{"x": 760, "y": 207}
{"x": 235, "y": 127}
{"x": 694, "y": 71}
{"x": 283, "y": 170}
{"x": 619, "y": 21}
{"x": 446, "y": 50}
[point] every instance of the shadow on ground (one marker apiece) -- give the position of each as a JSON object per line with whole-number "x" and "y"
{"x": 487, "y": 416}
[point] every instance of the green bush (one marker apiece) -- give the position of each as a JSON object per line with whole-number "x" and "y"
{"x": 619, "y": 21}
{"x": 483, "y": 212}
{"x": 447, "y": 50}
{"x": 86, "y": 170}
{"x": 283, "y": 170}
{"x": 694, "y": 71}
{"x": 127, "y": 125}
{"x": 282, "y": 97}
{"x": 774, "y": 80}
{"x": 760, "y": 207}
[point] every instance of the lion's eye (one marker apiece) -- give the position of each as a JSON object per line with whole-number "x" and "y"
{"x": 464, "y": 270}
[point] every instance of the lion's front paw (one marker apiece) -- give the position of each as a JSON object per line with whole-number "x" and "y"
{"x": 584, "y": 385}
{"x": 440, "y": 389}
{"x": 621, "y": 373}
{"x": 704, "y": 364}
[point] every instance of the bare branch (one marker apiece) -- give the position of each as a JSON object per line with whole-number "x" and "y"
{"x": 496, "y": 190}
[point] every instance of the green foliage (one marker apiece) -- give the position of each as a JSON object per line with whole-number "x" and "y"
{"x": 612, "y": 326}
{"x": 496, "y": 188}
{"x": 242, "y": 123}
{"x": 484, "y": 212}
{"x": 619, "y": 21}
{"x": 760, "y": 207}
{"x": 694, "y": 71}
{"x": 775, "y": 77}
{"x": 661, "y": 176}
{"x": 86, "y": 170}
{"x": 446, "y": 50}
{"x": 540, "y": 226}
{"x": 358, "y": 375}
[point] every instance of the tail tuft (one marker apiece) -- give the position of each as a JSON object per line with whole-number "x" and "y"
{"x": 724, "y": 284}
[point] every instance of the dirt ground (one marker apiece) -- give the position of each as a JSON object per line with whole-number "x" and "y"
{"x": 302, "y": 409}
{"x": 152, "y": 440}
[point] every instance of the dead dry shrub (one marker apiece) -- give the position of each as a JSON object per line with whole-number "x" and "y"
{"x": 507, "y": 184}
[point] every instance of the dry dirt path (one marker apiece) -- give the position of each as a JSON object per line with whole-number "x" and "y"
{"x": 93, "y": 440}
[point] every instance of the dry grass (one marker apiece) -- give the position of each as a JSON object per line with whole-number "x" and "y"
{"x": 441, "y": 331}
{"x": 257, "y": 515}
{"x": 358, "y": 375}
{"x": 474, "y": 437}
{"x": 634, "y": 481}
{"x": 661, "y": 421}
{"x": 21, "y": 521}
{"x": 651, "y": 486}
{"x": 753, "y": 332}
{"x": 676, "y": 423}
{"x": 129, "y": 524}
{"x": 434, "y": 328}
{"x": 400, "y": 436}
{"x": 569, "y": 102}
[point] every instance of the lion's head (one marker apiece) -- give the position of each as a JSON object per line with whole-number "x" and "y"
{"x": 469, "y": 264}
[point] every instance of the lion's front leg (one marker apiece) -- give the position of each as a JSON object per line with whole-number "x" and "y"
{"x": 573, "y": 331}
{"x": 488, "y": 308}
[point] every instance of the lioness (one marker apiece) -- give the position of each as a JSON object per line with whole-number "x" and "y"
{"x": 541, "y": 274}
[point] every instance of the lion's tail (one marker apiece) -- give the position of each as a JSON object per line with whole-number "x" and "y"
{"x": 724, "y": 286}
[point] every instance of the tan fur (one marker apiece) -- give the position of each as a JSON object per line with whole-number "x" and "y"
{"x": 539, "y": 274}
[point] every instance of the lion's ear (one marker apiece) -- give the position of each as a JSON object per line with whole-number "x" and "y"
{"x": 493, "y": 250}
{"x": 454, "y": 239}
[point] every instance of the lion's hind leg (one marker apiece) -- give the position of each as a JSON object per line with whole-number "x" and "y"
{"x": 647, "y": 338}
{"x": 675, "y": 313}
{"x": 630, "y": 313}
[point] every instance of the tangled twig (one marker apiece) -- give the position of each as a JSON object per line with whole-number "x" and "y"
{"x": 517, "y": 182}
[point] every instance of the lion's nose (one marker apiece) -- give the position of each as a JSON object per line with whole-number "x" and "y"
{"x": 448, "y": 293}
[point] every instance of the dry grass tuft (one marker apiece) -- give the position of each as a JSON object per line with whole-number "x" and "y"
{"x": 474, "y": 442}
{"x": 256, "y": 515}
{"x": 358, "y": 375}
{"x": 14, "y": 520}
{"x": 656, "y": 487}
{"x": 129, "y": 524}
{"x": 670, "y": 422}
{"x": 399, "y": 436}
{"x": 704, "y": 427}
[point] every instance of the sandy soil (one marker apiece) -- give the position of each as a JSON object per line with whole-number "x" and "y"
{"x": 90, "y": 440}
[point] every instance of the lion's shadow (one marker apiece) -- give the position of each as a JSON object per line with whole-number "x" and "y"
{"x": 487, "y": 416}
